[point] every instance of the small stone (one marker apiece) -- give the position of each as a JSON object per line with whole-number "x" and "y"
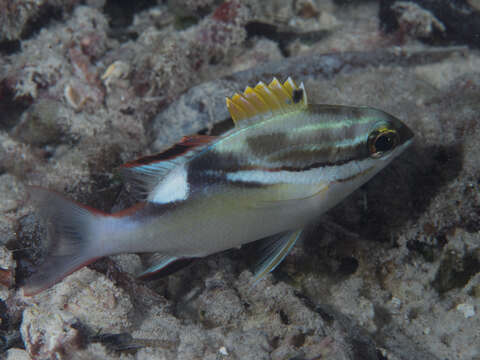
{"x": 220, "y": 307}
{"x": 17, "y": 354}
{"x": 466, "y": 309}
{"x": 128, "y": 263}
{"x": 41, "y": 124}
{"x": 223, "y": 351}
{"x": 396, "y": 302}
{"x": 417, "y": 21}
{"x": 307, "y": 9}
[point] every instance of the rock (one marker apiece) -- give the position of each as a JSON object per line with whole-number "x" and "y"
{"x": 60, "y": 327}
{"x": 85, "y": 298}
{"x": 7, "y": 272}
{"x": 195, "y": 109}
{"x": 220, "y": 306}
{"x": 452, "y": 22}
{"x": 264, "y": 51}
{"x": 416, "y": 21}
{"x": 19, "y": 17}
{"x": 184, "y": 8}
{"x": 249, "y": 345}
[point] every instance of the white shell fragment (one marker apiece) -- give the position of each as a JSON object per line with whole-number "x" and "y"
{"x": 116, "y": 71}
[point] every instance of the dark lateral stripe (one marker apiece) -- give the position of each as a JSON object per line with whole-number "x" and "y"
{"x": 216, "y": 165}
{"x": 222, "y": 174}
{"x": 330, "y": 154}
{"x": 305, "y": 168}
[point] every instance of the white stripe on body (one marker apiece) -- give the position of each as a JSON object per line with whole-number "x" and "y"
{"x": 326, "y": 174}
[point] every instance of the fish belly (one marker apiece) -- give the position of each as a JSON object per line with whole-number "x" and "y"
{"x": 211, "y": 224}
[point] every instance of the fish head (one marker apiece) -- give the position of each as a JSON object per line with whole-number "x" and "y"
{"x": 365, "y": 140}
{"x": 330, "y": 144}
{"x": 280, "y": 131}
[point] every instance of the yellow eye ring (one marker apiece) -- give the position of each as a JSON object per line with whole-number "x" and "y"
{"x": 381, "y": 141}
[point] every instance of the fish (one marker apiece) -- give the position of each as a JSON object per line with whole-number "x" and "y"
{"x": 285, "y": 162}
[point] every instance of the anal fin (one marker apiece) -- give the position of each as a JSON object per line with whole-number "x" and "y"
{"x": 274, "y": 249}
{"x": 162, "y": 265}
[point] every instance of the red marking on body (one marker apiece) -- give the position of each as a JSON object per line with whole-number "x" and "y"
{"x": 125, "y": 212}
{"x": 129, "y": 211}
{"x": 185, "y": 145}
{"x": 91, "y": 209}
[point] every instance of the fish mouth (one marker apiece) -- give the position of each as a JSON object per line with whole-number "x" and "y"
{"x": 400, "y": 149}
{"x": 405, "y": 134}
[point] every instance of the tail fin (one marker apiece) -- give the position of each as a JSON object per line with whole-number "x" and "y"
{"x": 71, "y": 231}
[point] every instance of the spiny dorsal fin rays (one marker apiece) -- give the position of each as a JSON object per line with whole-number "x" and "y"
{"x": 280, "y": 91}
{"x": 266, "y": 99}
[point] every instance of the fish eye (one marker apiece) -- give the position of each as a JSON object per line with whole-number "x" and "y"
{"x": 381, "y": 141}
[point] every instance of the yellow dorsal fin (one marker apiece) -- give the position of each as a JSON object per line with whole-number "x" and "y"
{"x": 266, "y": 99}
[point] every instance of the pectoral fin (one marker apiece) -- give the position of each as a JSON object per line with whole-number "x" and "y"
{"x": 273, "y": 252}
